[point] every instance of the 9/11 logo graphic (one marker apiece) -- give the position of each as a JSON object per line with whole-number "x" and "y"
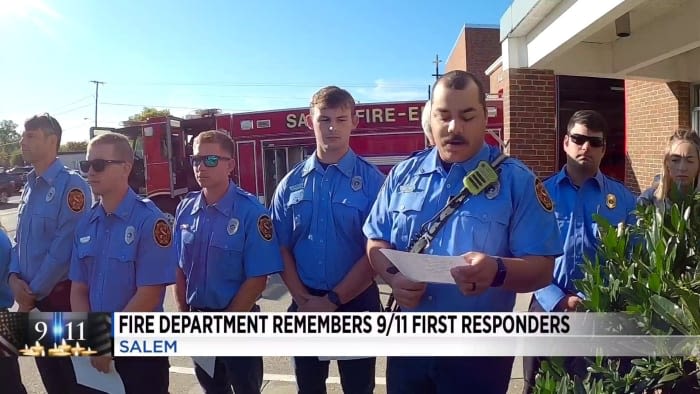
{"x": 62, "y": 334}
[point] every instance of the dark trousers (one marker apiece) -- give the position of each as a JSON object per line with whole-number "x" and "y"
{"x": 356, "y": 376}
{"x": 140, "y": 375}
{"x": 10, "y": 377}
{"x": 239, "y": 375}
{"x": 531, "y": 365}
{"x": 448, "y": 375}
{"x": 57, "y": 374}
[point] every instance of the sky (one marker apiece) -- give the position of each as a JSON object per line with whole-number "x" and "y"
{"x": 233, "y": 55}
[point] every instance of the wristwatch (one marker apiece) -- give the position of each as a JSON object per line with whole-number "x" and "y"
{"x": 500, "y": 276}
{"x": 333, "y": 297}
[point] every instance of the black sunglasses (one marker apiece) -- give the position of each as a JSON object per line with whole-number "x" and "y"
{"x": 595, "y": 142}
{"x": 208, "y": 160}
{"x": 98, "y": 165}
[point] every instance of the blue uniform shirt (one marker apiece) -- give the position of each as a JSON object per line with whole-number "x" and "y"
{"x": 116, "y": 253}
{"x": 50, "y": 207}
{"x": 574, "y": 208}
{"x": 223, "y": 244}
{"x": 508, "y": 220}
{"x": 318, "y": 215}
{"x": 6, "y": 298}
{"x": 647, "y": 197}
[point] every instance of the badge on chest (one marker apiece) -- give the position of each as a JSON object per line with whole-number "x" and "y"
{"x": 232, "y": 227}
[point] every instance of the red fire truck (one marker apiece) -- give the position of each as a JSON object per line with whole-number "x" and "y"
{"x": 268, "y": 145}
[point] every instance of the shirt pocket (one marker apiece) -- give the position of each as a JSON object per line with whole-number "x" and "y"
{"x": 43, "y": 223}
{"x": 563, "y": 222}
{"x": 122, "y": 266}
{"x": 300, "y": 205}
{"x": 87, "y": 252}
{"x": 187, "y": 239}
{"x": 225, "y": 259}
{"x": 485, "y": 232}
{"x": 349, "y": 212}
{"x": 405, "y": 210}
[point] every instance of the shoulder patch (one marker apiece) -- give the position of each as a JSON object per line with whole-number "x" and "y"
{"x": 76, "y": 200}
{"x": 162, "y": 233}
{"x": 265, "y": 227}
{"x": 543, "y": 196}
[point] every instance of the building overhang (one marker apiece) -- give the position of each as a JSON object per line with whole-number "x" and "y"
{"x": 581, "y": 37}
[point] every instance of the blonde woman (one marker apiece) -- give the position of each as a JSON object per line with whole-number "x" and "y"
{"x": 680, "y": 171}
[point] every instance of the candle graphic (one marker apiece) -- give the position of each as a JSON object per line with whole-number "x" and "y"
{"x": 88, "y": 352}
{"x": 64, "y": 346}
{"x": 77, "y": 349}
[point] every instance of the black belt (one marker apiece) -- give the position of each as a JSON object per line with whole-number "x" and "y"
{"x": 321, "y": 293}
{"x": 256, "y": 308}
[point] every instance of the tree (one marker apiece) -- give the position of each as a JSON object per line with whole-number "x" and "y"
{"x": 9, "y": 141}
{"x": 16, "y": 158}
{"x": 148, "y": 112}
{"x": 74, "y": 146}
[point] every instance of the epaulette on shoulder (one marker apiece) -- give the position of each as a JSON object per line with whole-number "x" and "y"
{"x": 545, "y": 179}
{"x": 190, "y": 195}
{"x": 614, "y": 180}
{"x": 419, "y": 152}
{"x": 252, "y": 197}
{"x": 72, "y": 172}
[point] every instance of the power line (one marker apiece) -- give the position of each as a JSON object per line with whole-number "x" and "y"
{"x": 269, "y": 84}
{"x": 71, "y": 110}
{"x": 147, "y": 105}
{"x": 72, "y": 103}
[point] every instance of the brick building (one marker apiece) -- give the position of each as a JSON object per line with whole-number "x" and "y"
{"x": 483, "y": 45}
{"x": 634, "y": 60}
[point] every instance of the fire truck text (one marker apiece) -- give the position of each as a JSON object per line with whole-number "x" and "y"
{"x": 368, "y": 115}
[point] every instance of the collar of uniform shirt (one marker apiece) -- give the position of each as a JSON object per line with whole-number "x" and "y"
{"x": 432, "y": 162}
{"x": 50, "y": 174}
{"x": 123, "y": 210}
{"x": 224, "y": 205}
{"x": 563, "y": 175}
{"x": 345, "y": 165}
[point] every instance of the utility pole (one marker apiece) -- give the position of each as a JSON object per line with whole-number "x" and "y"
{"x": 437, "y": 74}
{"x": 97, "y": 90}
{"x": 437, "y": 62}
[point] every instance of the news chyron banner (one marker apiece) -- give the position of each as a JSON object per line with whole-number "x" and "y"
{"x": 334, "y": 335}
{"x": 348, "y": 335}
{"x": 55, "y": 334}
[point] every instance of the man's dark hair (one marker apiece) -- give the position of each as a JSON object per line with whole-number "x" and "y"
{"x": 593, "y": 120}
{"x": 459, "y": 80}
{"x": 46, "y": 123}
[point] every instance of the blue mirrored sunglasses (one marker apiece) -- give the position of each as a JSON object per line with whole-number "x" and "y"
{"x": 208, "y": 160}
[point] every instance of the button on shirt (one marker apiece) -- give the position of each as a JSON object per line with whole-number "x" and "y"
{"x": 222, "y": 245}
{"x": 6, "y": 297}
{"x": 318, "y": 215}
{"x": 574, "y": 208}
{"x": 115, "y": 254}
{"x": 506, "y": 220}
{"x": 46, "y": 221}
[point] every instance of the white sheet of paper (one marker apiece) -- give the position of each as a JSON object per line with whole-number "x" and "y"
{"x": 208, "y": 364}
{"x": 424, "y": 267}
{"x": 328, "y": 358}
{"x": 87, "y": 375}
